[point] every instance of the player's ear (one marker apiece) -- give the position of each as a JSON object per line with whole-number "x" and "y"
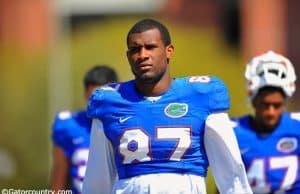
{"x": 169, "y": 51}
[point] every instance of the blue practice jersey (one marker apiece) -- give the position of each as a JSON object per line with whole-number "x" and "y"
{"x": 71, "y": 132}
{"x": 159, "y": 134}
{"x": 272, "y": 162}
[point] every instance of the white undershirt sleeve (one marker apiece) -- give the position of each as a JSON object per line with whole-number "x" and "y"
{"x": 224, "y": 155}
{"x": 101, "y": 172}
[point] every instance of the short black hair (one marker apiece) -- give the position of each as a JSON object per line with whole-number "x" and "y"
{"x": 270, "y": 89}
{"x": 99, "y": 75}
{"x": 147, "y": 24}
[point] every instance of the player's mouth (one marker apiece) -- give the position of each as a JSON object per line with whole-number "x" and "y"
{"x": 144, "y": 66}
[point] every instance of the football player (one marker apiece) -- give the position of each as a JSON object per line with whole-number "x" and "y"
{"x": 269, "y": 139}
{"x": 71, "y": 136}
{"x": 158, "y": 134}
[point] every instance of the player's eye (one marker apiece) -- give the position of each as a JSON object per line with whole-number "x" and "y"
{"x": 134, "y": 49}
{"x": 269, "y": 105}
{"x": 150, "y": 47}
{"x": 277, "y": 105}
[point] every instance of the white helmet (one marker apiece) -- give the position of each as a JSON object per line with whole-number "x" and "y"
{"x": 270, "y": 69}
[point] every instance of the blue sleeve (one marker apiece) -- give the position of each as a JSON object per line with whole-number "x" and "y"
{"x": 213, "y": 92}
{"x": 219, "y": 97}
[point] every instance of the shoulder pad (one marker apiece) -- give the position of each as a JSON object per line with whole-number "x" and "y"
{"x": 295, "y": 115}
{"x": 66, "y": 114}
{"x": 61, "y": 119}
{"x": 215, "y": 89}
{"x": 60, "y": 128}
{"x": 100, "y": 98}
{"x": 111, "y": 86}
{"x": 96, "y": 99}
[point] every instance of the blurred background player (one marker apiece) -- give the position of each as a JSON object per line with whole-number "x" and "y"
{"x": 71, "y": 136}
{"x": 269, "y": 140}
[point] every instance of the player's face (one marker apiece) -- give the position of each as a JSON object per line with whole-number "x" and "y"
{"x": 148, "y": 56}
{"x": 269, "y": 107}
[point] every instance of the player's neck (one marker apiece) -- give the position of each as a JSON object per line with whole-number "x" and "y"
{"x": 261, "y": 128}
{"x": 155, "y": 89}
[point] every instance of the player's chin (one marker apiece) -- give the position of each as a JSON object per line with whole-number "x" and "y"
{"x": 146, "y": 78}
{"x": 271, "y": 123}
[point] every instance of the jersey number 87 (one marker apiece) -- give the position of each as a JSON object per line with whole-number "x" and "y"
{"x": 135, "y": 143}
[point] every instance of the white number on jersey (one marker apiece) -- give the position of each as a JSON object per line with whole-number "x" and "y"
{"x": 135, "y": 143}
{"x": 79, "y": 159}
{"x": 201, "y": 79}
{"x": 141, "y": 149}
{"x": 257, "y": 172}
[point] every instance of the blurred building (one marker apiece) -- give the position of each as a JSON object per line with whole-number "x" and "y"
{"x": 25, "y": 24}
{"x": 253, "y": 26}
{"x": 30, "y": 24}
